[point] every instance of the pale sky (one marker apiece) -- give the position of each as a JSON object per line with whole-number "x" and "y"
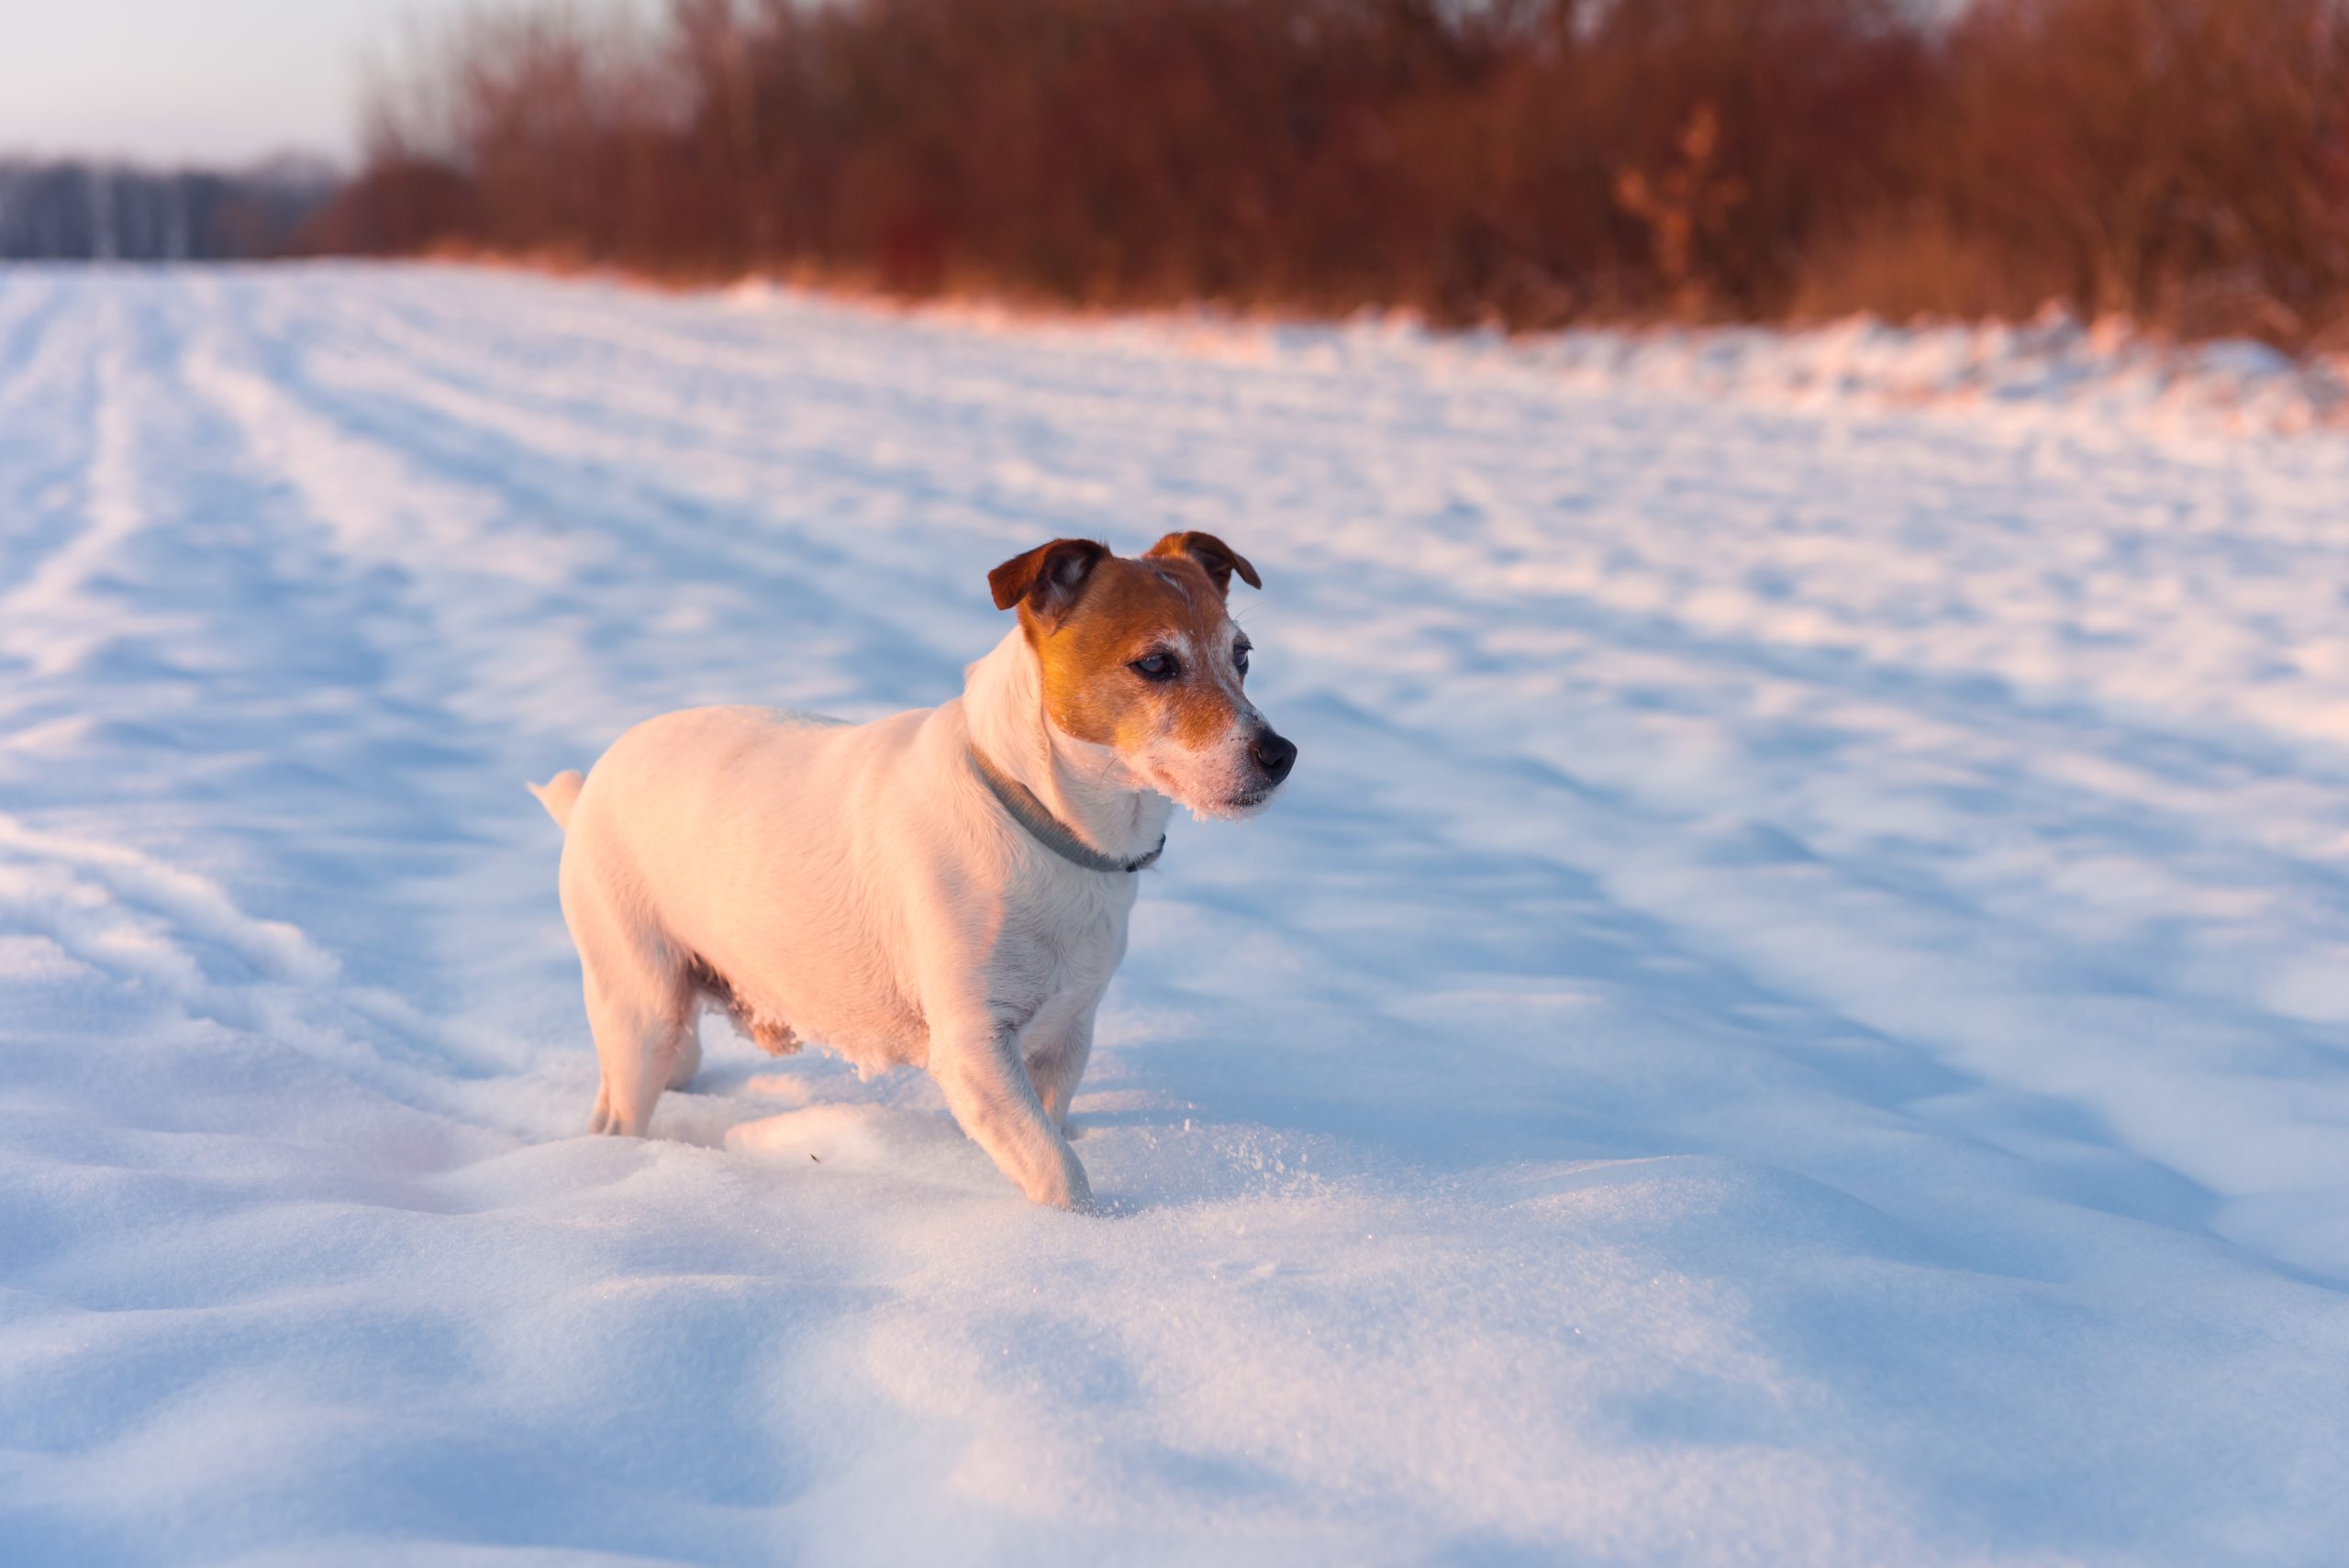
{"x": 197, "y": 81}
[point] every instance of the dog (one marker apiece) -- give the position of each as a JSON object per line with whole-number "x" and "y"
{"x": 946, "y": 889}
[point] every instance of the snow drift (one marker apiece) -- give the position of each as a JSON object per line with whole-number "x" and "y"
{"x": 1799, "y": 1011}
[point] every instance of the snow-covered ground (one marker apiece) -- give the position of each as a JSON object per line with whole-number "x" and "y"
{"x": 1796, "y": 1011}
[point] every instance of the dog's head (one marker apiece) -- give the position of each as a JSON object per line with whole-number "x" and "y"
{"x": 1140, "y": 657}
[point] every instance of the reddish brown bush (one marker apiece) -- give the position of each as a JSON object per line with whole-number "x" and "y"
{"x": 1520, "y": 160}
{"x": 2184, "y": 160}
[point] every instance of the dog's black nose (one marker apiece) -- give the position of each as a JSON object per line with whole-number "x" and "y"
{"x": 1273, "y": 753}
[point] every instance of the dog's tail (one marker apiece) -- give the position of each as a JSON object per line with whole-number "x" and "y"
{"x": 558, "y": 795}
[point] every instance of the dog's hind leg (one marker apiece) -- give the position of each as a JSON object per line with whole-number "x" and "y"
{"x": 644, "y": 1030}
{"x": 639, "y": 1000}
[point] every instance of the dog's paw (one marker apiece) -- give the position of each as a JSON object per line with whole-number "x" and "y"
{"x": 1072, "y": 1192}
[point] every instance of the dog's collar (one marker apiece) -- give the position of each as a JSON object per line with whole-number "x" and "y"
{"x": 1048, "y": 829}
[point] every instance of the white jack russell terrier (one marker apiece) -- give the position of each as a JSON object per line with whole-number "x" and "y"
{"x": 946, "y": 889}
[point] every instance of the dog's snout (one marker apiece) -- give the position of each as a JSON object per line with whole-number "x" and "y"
{"x": 1274, "y": 752}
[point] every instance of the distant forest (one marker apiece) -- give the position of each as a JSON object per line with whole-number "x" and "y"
{"x": 1523, "y": 162}
{"x": 72, "y": 210}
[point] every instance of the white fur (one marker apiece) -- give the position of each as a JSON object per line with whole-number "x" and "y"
{"x": 859, "y": 886}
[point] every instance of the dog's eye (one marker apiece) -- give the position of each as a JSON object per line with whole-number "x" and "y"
{"x": 1157, "y": 665}
{"x": 1240, "y": 658}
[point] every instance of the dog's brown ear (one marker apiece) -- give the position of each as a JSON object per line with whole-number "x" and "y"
{"x": 1216, "y": 559}
{"x": 1048, "y": 578}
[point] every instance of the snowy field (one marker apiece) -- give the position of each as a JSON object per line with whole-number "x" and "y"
{"x": 1796, "y": 1011}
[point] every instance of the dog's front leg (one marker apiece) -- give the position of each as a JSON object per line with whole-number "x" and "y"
{"x": 977, "y": 1064}
{"x": 1056, "y": 1045}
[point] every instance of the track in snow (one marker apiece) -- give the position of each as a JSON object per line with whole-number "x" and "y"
{"x": 1797, "y": 1010}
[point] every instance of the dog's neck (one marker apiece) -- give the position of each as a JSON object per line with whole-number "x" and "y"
{"x": 1086, "y": 785}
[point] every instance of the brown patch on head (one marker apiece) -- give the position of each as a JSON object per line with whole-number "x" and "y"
{"x": 1089, "y": 634}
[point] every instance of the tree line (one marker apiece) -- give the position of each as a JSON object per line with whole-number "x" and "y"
{"x": 67, "y": 209}
{"x": 1522, "y": 163}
